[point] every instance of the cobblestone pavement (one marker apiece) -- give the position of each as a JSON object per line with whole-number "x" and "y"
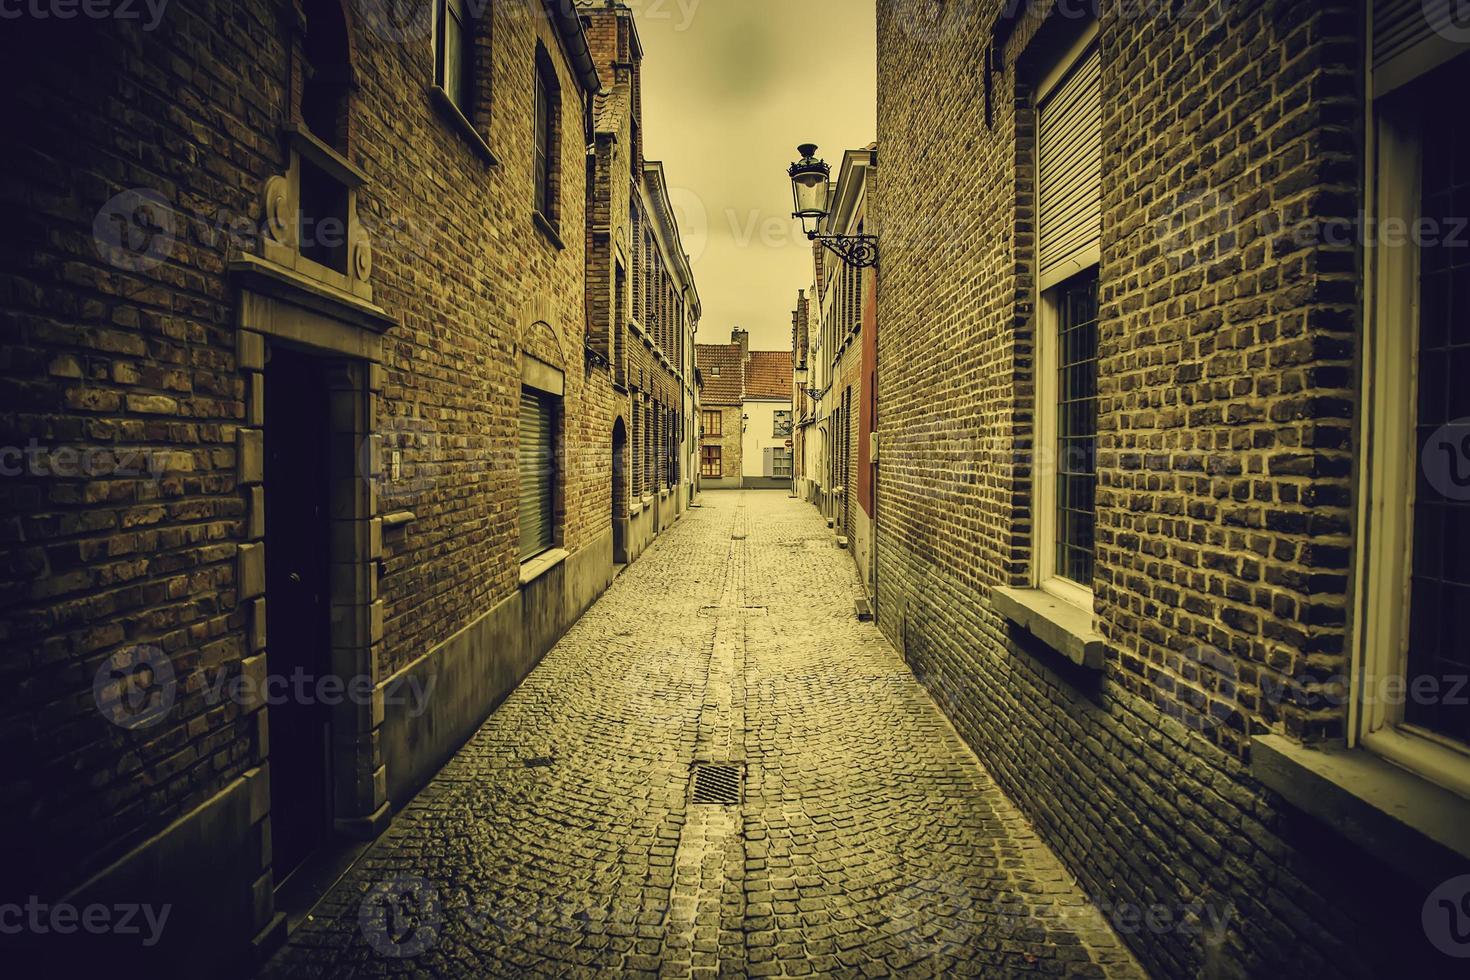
{"x": 562, "y": 840}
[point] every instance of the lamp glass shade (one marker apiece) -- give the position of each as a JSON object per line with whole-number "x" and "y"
{"x": 810, "y": 184}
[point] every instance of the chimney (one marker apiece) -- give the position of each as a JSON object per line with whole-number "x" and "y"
{"x": 741, "y": 337}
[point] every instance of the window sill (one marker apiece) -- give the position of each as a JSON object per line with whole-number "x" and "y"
{"x": 1061, "y": 625}
{"x": 543, "y": 224}
{"x": 1405, "y": 820}
{"x": 534, "y": 568}
{"x": 459, "y": 121}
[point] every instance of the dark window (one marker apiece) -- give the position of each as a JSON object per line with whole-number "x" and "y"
{"x": 1439, "y": 617}
{"x": 1076, "y": 304}
{"x": 538, "y": 466}
{"x": 456, "y": 53}
{"x": 547, "y": 102}
{"x": 327, "y": 73}
{"x": 710, "y": 464}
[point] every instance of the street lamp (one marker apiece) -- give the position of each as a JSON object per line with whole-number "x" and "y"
{"x": 811, "y": 189}
{"x": 802, "y": 375}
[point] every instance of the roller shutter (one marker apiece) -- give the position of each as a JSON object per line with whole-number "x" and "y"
{"x": 538, "y": 472}
{"x": 1069, "y": 172}
{"x": 1410, "y": 37}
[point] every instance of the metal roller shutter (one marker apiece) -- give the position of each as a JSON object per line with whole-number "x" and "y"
{"x": 538, "y": 472}
{"x": 1410, "y": 37}
{"x": 1069, "y": 172}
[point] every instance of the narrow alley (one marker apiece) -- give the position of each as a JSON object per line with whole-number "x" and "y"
{"x": 564, "y": 838}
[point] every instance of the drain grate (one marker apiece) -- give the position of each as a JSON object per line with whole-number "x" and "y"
{"x": 717, "y": 784}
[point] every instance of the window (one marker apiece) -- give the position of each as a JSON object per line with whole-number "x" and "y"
{"x": 713, "y": 423}
{"x": 650, "y": 478}
{"x": 538, "y": 471}
{"x": 327, "y": 74}
{"x": 1073, "y": 306}
{"x": 1415, "y": 500}
{"x": 782, "y": 428}
{"x": 710, "y": 462}
{"x": 548, "y": 102}
{"x": 454, "y": 60}
{"x": 781, "y": 463}
{"x": 1068, "y": 236}
{"x": 638, "y": 437}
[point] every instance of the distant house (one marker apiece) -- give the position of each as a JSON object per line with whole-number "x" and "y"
{"x": 745, "y": 415}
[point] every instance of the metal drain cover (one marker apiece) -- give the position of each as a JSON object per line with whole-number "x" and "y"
{"x": 717, "y": 784}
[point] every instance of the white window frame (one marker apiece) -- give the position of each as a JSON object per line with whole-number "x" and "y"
{"x": 1045, "y": 462}
{"x": 1389, "y": 461}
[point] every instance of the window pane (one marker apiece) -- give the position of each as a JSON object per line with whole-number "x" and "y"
{"x": 456, "y": 57}
{"x": 1438, "y": 656}
{"x": 544, "y": 130}
{"x": 1076, "y": 426}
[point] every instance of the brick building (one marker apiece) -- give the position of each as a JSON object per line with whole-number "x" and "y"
{"x": 642, "y": 304}
{"x": 1149, "y": 447}
{"x": 747, "y": 425}
{"x": 296, "y": 318}
{"x": 721, "y": 407}
{"x": 841, "y": 361}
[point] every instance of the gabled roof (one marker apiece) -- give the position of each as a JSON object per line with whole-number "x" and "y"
{"x": 764, "y": 374}
{"x": 768, "y": 374}
{"x": 723, "y": 372}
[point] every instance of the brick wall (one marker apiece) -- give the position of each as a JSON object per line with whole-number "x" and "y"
{"x": 1226, "y": 353}
{"x": 101, "y": 356}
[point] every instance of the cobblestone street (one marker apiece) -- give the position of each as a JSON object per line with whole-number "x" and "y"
{"x": 563, "y": 840}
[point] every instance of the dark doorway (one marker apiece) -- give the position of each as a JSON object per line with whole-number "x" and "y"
{"x": 620, "y": 492}
{"x": 298, "y": 644}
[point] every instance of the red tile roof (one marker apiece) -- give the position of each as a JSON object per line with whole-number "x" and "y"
{"x": 768, "y": 374}
{"x": 721, "y": 373}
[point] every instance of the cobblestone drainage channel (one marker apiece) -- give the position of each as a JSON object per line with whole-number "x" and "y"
{"x": 717, "y": 784}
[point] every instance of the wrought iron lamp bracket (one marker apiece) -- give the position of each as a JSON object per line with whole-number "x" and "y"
{"x": 859, "y": 251}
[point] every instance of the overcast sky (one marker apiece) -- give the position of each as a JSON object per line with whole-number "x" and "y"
{"x": 730, "y": 87}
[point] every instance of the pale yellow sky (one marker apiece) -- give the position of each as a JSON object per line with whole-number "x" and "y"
{"x": 730, "y": 87}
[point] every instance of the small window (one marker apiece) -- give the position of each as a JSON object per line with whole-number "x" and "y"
{"x": 713, "y": 424}
{"x": 782, "y": 428}
{"x": 781, "y": 463}
{"x": 548, "y": 101}
{"x": 455, "y": 61}
{"x": 710, "y": 463}
{"x": 538, "y": 472}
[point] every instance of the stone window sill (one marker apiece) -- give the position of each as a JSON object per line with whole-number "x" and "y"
{"x": 543, "y": 224}
{"x": 1061, "y": 625}
{"x": 534, "y": 568}
{"x": 457, "y": 119}
{"x": 1404, "y": 819}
